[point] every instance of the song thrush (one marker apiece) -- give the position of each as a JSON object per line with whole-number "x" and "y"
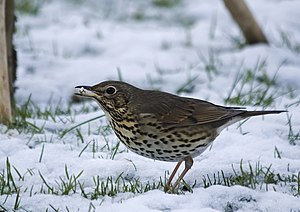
{"x": 163, "y": 126}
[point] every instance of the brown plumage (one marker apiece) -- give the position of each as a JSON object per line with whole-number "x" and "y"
{"x": 161, "y": 125}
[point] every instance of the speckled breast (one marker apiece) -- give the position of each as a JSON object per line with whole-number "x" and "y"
{"x": 166, "y": 144}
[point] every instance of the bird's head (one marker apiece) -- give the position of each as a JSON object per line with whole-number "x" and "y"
{"x": 113, "y": 96}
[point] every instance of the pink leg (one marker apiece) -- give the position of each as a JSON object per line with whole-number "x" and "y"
{"x": 172, "y": 176}
{"x": 188, "y": 164}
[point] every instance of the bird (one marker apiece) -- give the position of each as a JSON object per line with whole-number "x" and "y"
{"x": 163, "y": 126}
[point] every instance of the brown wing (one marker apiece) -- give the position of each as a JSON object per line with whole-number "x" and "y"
{"x": 171, "y": 110}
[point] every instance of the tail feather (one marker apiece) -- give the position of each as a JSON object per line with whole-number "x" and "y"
{"x": 245, "y": 114}
{"x": 259, "y": 113}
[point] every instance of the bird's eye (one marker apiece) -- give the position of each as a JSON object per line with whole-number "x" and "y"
{"x": 111, "y": 90}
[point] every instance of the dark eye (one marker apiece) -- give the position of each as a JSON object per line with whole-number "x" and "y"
{"x": 111, "y": 90}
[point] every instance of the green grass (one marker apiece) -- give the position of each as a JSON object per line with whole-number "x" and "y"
{"x": 110, "y": 186}
{"x": 7, "y": 181}
{"x": 24, "y": 120}
{"x": 66, "y": 185}
{"x": 21, "y": 120}
{"x": 8, "y": 186}
{"x": 26, "y": 113}
{"x": 254, "y": 177}
{"x": 253, "y": 86}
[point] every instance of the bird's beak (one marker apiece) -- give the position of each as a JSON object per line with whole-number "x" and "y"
{"x": 83, "y": 90}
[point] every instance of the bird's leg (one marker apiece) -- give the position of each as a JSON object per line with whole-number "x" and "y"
{"x": 172, "y": 175}
{"x": 188, "y": 164}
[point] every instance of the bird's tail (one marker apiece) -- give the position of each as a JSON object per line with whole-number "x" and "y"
{"x": 259, "y": 113}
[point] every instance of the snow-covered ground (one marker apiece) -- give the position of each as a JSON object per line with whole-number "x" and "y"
{"x": 75, "y": 42}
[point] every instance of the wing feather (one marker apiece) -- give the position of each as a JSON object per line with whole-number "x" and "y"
{"x": 171, "y": 110}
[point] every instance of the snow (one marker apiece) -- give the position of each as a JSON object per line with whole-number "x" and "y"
{"x": 70, "y": 43}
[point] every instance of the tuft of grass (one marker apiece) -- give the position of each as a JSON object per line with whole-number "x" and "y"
{"x": 7, "y": 181}
{"x": 26, "y": 113}
{"x": 20, "y": 121}
{"x": 254, "y": 87}
{"x": 70, "y": 184}
{"x": 8, "y": 186}
{"x": 50, "y": 112}
{"x": 255, "y": 177}
{"x": 111, "y": 187}
{"x": 66, "y": 185}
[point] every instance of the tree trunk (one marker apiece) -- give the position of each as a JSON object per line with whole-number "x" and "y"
{"x": 247, "y": 23}
{"x": 7, "y": 60}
